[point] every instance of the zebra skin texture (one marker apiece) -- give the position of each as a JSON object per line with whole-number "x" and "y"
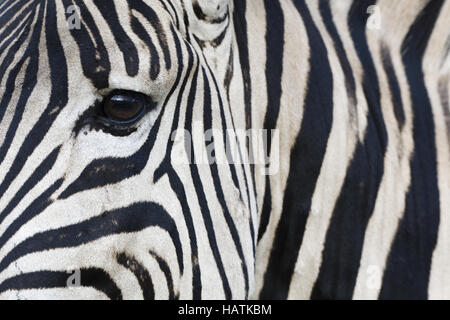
{"x": 104, "y": 110}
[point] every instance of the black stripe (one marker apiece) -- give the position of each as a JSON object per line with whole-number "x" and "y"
{"x": 394, "y": 86}
{"x": 58, "y": 97}
{"x": 232, "y": 167}
{"x": 240, "y": 29}
{"x": 39, "y": 173}
{"x": 10, "y": 82}
{"x": 199, "y": 188}
{"x": 219, "y": 39}
{"x": 126, "y": 45}
{"x": 92, "y": 277}
{"x": 101, "y": 172}
{"x": 354, "y": 206}
{"x": 96, "y": 68}
{"x": 306, "y": 160}
{"x": 408, "y": 266}
{"x": 207, "y": 117}
{"x": 229, "y": 155}
{"x": 166, "y": 166}
{"x": 350, "y": 85}
{"x": 7, "y": 13}
{"x": 266, "y": 210}
{"x": 5, "y": 4}
{"x": 228, "y": 76}
{"x": 142, "y": 276}
{"x": 29, "y": 78}
{"x": 41, "y": 203}
{"x": 18, "y": 25}
{"x": 139, "y": 29}
{"x": 166, "y": 270}
{"x": 177, "y": 186}
{"x": 134, "y": 218}
{"x": 174, "y": 15}
{"x": 8, "y": 4}
{"x": 274, "y": 70}
{"x": 153, "y": 19}
{"x": 274, "y": 64}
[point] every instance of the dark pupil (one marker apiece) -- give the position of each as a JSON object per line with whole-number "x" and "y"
{"x": 123, "y": 107}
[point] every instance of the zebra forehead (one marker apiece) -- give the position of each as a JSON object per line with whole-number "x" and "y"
{"x": 123, "y": 44}
{"x": 106, "y": 42}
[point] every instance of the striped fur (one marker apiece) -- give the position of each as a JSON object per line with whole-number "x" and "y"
{"x": 356, "y": 210}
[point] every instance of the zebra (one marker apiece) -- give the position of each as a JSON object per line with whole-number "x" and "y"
{"x": 100, "y": 197}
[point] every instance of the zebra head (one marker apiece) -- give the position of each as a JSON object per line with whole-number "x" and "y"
{"x": 104, "y": 110}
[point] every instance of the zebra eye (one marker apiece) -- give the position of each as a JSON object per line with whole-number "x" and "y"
{"x": 125, "y": 107}
{"x": 118, "y": 113}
